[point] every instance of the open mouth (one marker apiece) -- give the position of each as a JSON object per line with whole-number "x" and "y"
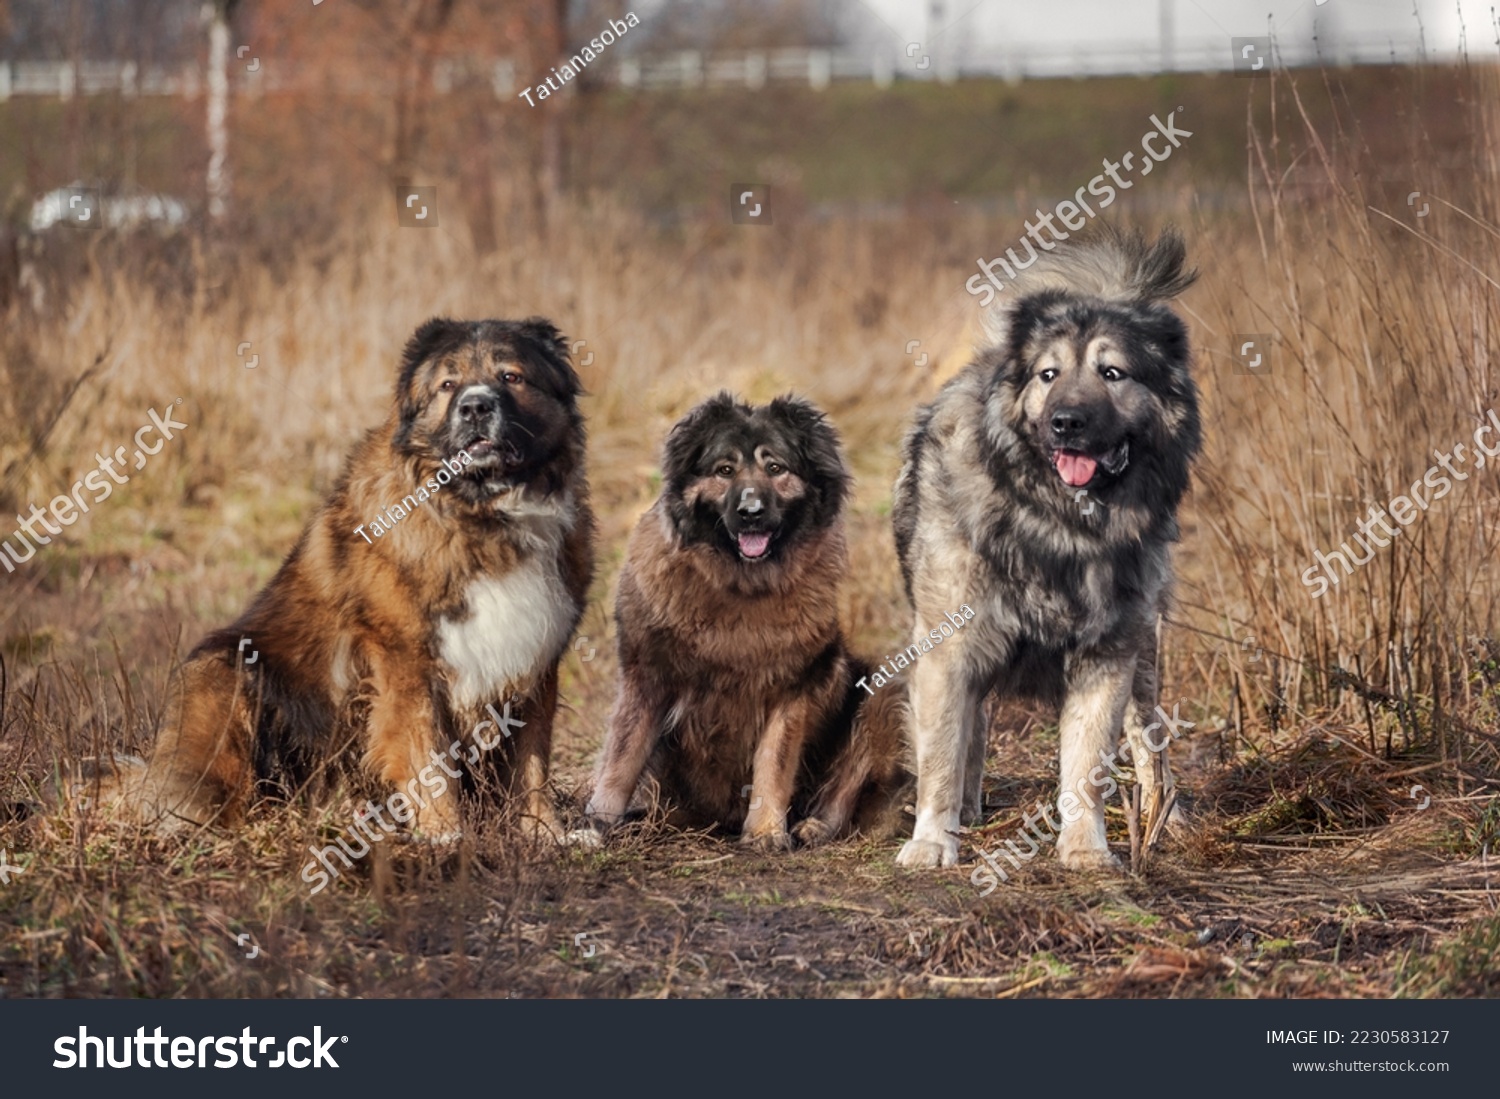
{"x": 1078, "y": 468}
{"x": 480, "y": 449}
{"x": 754, "y": 544}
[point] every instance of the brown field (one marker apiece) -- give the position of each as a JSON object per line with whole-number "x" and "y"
{"x": 1342, "y": 776}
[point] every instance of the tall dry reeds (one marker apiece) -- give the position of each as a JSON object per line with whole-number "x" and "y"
{"x": 1383, "y": 324}
{"x": 1384, "y": 314}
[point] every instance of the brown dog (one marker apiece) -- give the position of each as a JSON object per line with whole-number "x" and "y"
{"x": 441, "y": 580}
{"x": 737, "y": 693}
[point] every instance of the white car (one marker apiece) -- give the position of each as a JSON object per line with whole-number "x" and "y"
{"x": 85, "y": 206}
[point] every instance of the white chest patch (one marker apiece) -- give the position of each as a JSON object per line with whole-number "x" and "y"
{"x": 515, "y": 625}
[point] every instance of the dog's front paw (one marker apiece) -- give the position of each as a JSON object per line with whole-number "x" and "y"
{"x": 543, "y": 829}
{"x": 1090, "y": 858}
{"x": 448, "y": 837}
{"x": 767, "y": 842}
{"x": 927, "y": 854}
{"x": 812, "y": 832}
{"x": 585, "y": 839}
{"x": 604, "y": 812}
{"x": 438, "y": 824}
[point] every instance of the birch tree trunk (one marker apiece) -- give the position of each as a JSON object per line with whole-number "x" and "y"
{"x": 218, "y": 111}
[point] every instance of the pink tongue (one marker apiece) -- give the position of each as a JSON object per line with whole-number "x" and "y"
{"x": 1076, "y": 469}
{"x": 754, "y": 545}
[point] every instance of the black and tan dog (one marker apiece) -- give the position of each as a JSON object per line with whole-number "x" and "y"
{"x": 738, "y": 697}
{"x": 441, "y": 581}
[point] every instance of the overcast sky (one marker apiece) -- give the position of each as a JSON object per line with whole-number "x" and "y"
{"x": 1367, "y": 29}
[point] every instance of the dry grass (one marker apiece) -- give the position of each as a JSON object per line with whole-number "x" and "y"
{"x": 1310, "y": 868}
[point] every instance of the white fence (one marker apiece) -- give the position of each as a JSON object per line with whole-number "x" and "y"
{"x": 687, "y": 69}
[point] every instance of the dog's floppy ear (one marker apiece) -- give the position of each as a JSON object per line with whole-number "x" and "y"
{"x": 1011, "y": 326}
{"x": 998, "y": 321}
{"x": 1010, "y": 320}
{"x": 1164, "y": 328}
{"x": 817, "y": 443}
{"x": 431, "y": 339}
{"x": 426, "y": 341}
{"x": 552, "y": 345}
{"x": 683, "y": 450}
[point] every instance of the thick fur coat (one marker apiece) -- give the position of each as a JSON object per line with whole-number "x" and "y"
{"x": 430, "y": 597}
{"x": 1041, "y": 488}
{"x": 738, "y": 707}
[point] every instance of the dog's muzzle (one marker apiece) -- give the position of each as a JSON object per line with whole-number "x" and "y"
{"x": 476, "y": 424}
{"x": 754, "y": 524}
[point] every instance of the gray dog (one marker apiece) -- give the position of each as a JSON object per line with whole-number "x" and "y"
{"x": 1041, "y": 488}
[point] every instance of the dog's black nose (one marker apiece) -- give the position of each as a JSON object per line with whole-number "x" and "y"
{"x": 1069, "y": 421}
{"x": 750, "y": 504}
{"x": 477, "y": 405}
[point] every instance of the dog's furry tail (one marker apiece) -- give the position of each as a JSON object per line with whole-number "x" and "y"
{"x": 1117, "y": 266}
{"x": 1108, "y": 264}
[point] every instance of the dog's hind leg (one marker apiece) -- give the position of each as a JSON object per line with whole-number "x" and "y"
{"x": 973, "y": 808}
{"x": 201, "y": 769}
{"x": 1153, "y": 771}
{"x": 866, "y": 771}
{"x": 833, "y": 808}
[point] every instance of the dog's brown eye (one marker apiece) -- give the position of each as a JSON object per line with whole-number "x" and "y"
{"x": 512, "y": 378}
{"x": 1112, "y": 373}
{"x": 725, "y": 470}
{"x": 773, "y": 468}
{"x": 1047, "y": 375}
{"x": 447, "y": 387}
